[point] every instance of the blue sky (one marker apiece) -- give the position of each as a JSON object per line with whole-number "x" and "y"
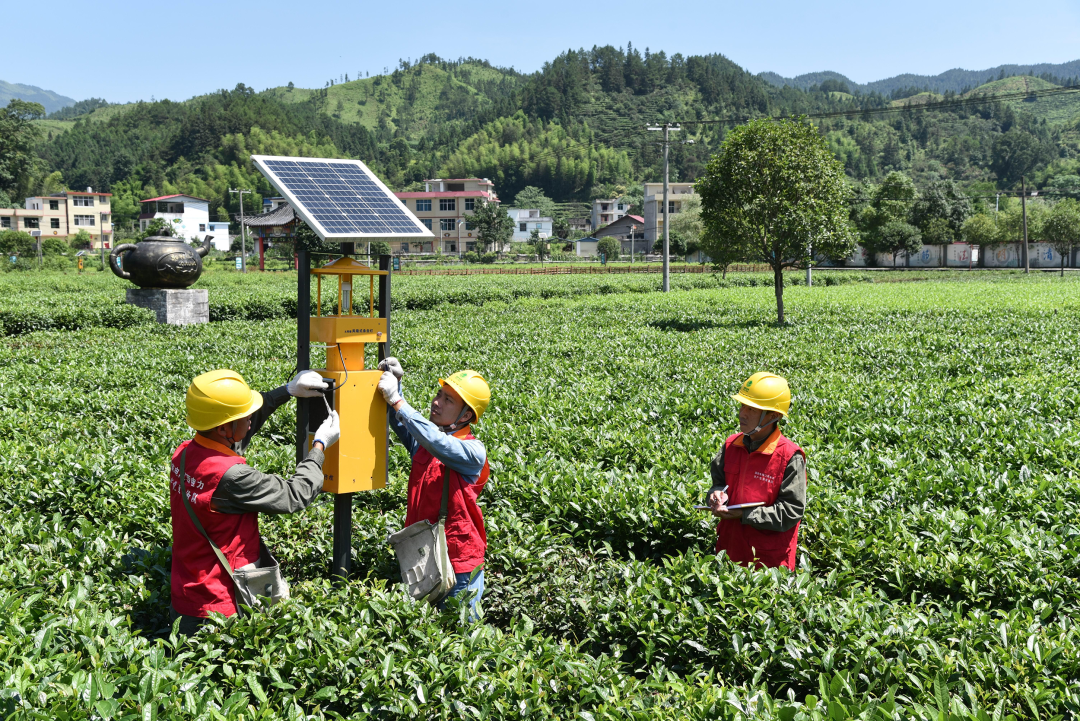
{"x": 126, "y": 51}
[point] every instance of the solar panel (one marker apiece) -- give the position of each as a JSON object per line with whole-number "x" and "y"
{"x": 340, "y": 199}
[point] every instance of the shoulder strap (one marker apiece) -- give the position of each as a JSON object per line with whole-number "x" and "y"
{"x": 445, "y": 491}
{"x": 199, "y": 527}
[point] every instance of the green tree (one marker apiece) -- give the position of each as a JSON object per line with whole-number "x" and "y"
{"x": 1062, "y": 228}
{"x": 17, "y": 242}
{"x": 676, "y": 244}
{"x": 938, "y": 231}
{"x": 18, "y": 136}
{"x": 532, "y": 197}
{"x": 774, "y": 188}
{"x": 82, "y": 240}
{"x": 494, "y": 227}
{"x": 980, "y": 230}
{"x": 1016, "y": 153}
{"x": 53, "y": 245}
{"x": 1067, "y": 185}
{"x": 687, "y": 223}
{"x": 377, "y": 248}
{"x": 609, "y": 247}
{"x": 895, "y": 237}
{"x": 540, "y": 246}
{"x": 940, "y": 200}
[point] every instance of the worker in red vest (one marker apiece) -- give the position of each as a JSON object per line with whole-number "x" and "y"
{"x": 227, "y": 495}
{"x": 445, "y": 438}
{"x": 759, "y": 465}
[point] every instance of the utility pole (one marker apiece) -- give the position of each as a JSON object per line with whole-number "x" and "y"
{"x": 809, "y": 260}
{"x": 101, "y": 237}
{"x": 667, "y": 127}
{"x": 243, "y": 229}
{"x": 1023, "y": 212}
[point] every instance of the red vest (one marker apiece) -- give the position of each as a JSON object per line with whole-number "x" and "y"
{"x": 757, "y": 477}
{"x": 466, "y": 540}
{"x": 199, "y": 583}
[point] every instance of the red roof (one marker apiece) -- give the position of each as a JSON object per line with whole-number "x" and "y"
{"x": 448, "y": 194}
{"x": 178, "y": 195}
{"x": 638, "y": 218}
{"x": 479, "y": 181}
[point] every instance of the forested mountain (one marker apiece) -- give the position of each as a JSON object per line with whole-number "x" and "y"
{"x": 49, "y": 100}
{"x": 955, "y": 80}
{"x": 575, "y": 128}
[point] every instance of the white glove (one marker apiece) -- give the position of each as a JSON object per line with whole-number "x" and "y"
{"x": 391, "y": 364}
{"x": 330, "y": 430}
{"x": 306, "y": 384}
{"x": 388, "y": 386}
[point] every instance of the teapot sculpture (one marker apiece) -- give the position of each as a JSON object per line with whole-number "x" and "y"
{"x": 159, "y": 261}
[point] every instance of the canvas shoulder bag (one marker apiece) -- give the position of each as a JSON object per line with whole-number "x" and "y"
{"x": 423, "y": 556}
{"x": 260, "y": 586}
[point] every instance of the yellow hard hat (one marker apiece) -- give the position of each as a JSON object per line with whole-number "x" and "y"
{"x": 767, "y": 392}
{"x": 472, "y": 388}
{"x": 219, "y": 397}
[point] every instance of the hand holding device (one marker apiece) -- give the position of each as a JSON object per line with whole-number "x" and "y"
{"x": 306, "y": 384}
{"x": 388, "y": 386}
{"x": 330, "y": 430}
{"x": 391, "y": 364}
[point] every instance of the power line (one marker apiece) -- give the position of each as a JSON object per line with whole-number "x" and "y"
{"x": 959, "y": 102}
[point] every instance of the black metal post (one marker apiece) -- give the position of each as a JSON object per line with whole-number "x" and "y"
{"x": 342, "y": 537}
{"x": 303, "y": 344}
{"x": 343, "y": 503}
{"x": 385, "y": 263}
{"x": 384, "y": 301}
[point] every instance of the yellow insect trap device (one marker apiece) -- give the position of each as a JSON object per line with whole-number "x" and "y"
{"x": 358, "y": 461}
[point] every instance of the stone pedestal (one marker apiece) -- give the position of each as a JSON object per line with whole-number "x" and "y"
{"x": 173, "y": 306}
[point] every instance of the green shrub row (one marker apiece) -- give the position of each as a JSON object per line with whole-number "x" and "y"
{"x": 938, "y": 556}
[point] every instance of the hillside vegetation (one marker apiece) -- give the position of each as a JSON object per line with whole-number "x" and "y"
{"x": 574, "y": 128}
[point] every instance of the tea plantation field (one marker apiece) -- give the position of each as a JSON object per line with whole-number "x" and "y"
{"x": 938, "y": 560}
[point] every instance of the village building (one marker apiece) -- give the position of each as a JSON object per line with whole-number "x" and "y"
{"x": 526, "y": 221}
{"x": 654, "y": 206}
{"x": 189, "y": 217}
{"x": 444, "y": 207}
{"x": 607, "y": 211}
{"x": 630, "y": 231}
{"x": 63, "y": 215}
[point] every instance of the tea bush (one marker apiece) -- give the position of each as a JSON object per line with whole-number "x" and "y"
{"x": 43, "y": 301}
{"x": 937, "y": 560}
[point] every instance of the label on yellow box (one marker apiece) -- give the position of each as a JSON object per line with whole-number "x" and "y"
{"x": 333, "y": 329}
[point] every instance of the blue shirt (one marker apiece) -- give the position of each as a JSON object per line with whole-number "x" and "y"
{"x": 467, "y": 457}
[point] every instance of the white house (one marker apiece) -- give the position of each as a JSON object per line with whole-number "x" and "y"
{"x": 189, "y": 216}
{"x": 528, "y": 220}
{"x": 607, "y": 210}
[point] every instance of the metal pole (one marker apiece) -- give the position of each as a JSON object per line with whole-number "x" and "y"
{"x": 667, "y": 269}
{"x": 339, "y": 569}
{"x": 243, "y": 230}
{"x": 303, "y": 344}
{"x": 101, "y": 239}
{"x": 809, "y": 260}
{"x": 1023, "y": 210}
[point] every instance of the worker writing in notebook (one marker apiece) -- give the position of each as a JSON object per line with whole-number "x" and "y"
{"x": 765, "y": 473}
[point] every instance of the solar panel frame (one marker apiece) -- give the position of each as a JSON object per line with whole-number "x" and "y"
{"x": 341, "y": 200}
